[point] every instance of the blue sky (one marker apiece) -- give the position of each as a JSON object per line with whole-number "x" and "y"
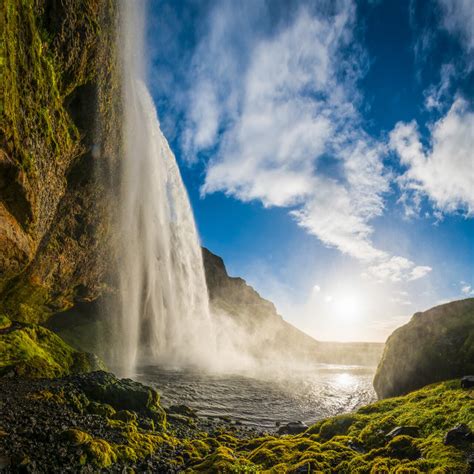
{"x": 327, "y": 148}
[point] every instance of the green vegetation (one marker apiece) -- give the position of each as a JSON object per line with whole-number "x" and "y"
{"x": 33, "y": 351}
{"x": 352, "y": 443}
{"x": 356, "y": 443}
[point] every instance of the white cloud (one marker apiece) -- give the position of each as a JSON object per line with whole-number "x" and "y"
{"x": 466, "y": 289}
{"x": 419, "y": 272}
{"x": 458, "y": 19}
{"x": 279, "y": 111}
{"x": 436, "y": 96}
{"x": 444, "y": 172}
{"x": 397, "y": 269}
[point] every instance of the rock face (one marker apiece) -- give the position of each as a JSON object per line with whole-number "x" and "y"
{"x": 435, "y": 345}
{"x": 265, "y": 331}
{"x": 59, "y": 130}
{"x": 262, "y": 331}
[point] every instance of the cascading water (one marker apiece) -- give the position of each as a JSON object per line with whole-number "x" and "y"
{"x": 163, "y": 301}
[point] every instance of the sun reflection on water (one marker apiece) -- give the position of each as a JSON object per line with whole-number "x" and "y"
{"x": 345, "y": 380}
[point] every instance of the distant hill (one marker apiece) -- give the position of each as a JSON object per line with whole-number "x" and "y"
{"x": 435, "y": 345}
{"x": 266, "y": 333}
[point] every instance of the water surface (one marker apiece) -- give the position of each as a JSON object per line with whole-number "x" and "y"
{"x": 261, "y": 402}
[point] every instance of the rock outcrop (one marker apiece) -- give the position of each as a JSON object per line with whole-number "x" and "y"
{"x": 265, "y": 331}
{"x": 29, "y": 350}
{"x": 435, "y": 345}
{"x": 59, "y": 129}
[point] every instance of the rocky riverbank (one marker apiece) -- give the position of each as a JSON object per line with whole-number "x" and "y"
{"x": 96, "y": 422}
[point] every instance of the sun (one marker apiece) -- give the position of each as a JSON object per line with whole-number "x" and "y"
{"x": 347, "y": 307}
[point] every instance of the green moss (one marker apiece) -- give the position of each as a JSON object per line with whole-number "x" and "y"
{"x": 101, "y": 453}
{"x": 75, "y": 437}
{"x": 327, "y": 446}
{"x": 4, "y": 322}
{"x": 363, "y": 448}
{"x": 224, "y": 460}
{"x": 339, "y": 425}
{"x": 125, "y": 415}
{"x": 101, "y": 409}
{"x": 34, "y": 351}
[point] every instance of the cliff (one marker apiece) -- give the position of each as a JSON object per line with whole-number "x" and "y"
{"x": 59, "y": 130}
{"x": 434, "y": 345}
{"x": 269, "y": 335}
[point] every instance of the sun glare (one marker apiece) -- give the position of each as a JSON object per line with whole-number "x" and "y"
{"x": 347, "y": 307}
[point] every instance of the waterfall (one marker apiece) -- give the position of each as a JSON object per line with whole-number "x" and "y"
{"x": 163, "y": 308}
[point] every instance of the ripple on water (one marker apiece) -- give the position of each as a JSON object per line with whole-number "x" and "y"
{"x": 308, "y": 396}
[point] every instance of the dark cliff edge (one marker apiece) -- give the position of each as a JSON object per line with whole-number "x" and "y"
{"x": 59, "y": 131}
{"x": 435, "y": 345}
{"x": 269, "y": 334}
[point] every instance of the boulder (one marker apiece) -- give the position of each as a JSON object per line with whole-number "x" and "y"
{"x": 123, "y": 394}
{"x": 467, "y": 381}
{"x": 412, "y": 431}
{"x": 292, "y": 428}
{"x": 433, "y": 346}
{"x": 458, "y": 434}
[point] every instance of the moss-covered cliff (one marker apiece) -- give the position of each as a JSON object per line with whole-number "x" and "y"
{"x": 59, "y": 130}
{"x": 435, "y": 345}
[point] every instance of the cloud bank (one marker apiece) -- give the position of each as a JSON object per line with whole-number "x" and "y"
{"x": 444, "y": 172}
{"x": 277, "y": 109}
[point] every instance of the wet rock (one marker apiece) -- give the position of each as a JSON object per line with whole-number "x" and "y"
{"x": 467, "y": 381}
{"x": 458, "y": 434}
{"x": 294, "y": 427}
{"x": 182, "y": 410}
{"x": 412, "y": 431}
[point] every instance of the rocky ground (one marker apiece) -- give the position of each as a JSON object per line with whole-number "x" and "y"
{"x": 40, "y": 422}
{"x": 98, "y": 423}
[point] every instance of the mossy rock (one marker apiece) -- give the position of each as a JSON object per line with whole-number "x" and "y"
{"x": 33, "y": 351}
{"x": 126, "y": 416}
{"x": 124, "y": 394}
{"x": 435, "y": 345}
{"x": 98, "y": 451}
{"x": 338, "y": 425}
{"x": 101, "y": 409}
